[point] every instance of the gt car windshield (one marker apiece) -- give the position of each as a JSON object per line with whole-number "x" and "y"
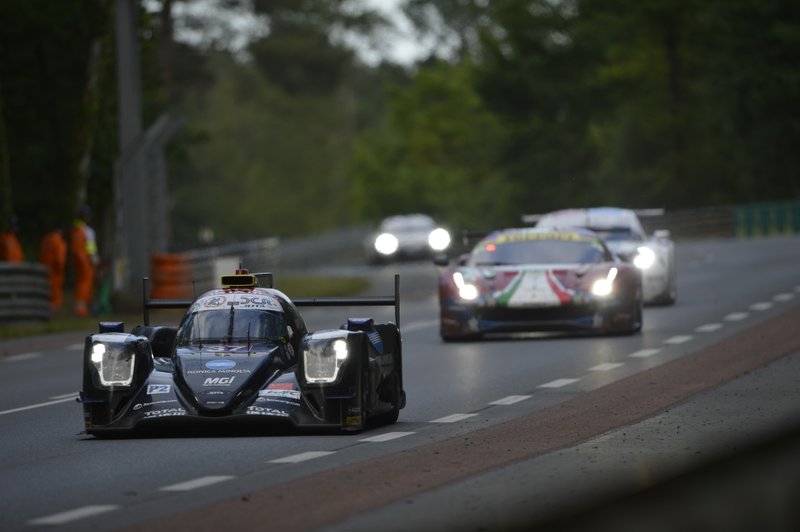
{"x": 229, "y": 324}
{"x": 538, "y": 252}
{"x": 617, "y": 234}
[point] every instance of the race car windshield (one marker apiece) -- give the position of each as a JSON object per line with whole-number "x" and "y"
{"x": 538, "y": 252}
{"x": 617, "y": 234}
{"x": 230, "y": 324}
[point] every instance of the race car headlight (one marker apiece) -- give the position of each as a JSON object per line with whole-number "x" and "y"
{"x": 386, "y": 243}
{"x": 645, "y": 258}
{"x": 466, "y": 290}
{"x": 604, "y": 287}
{"x": 322, "y": 359}
{"x": 114, "y": 362}
{"x": 439, "y": 239}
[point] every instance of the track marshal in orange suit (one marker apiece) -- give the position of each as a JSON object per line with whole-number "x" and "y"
{"x": 53, "y": 254}
{"x": 83, "y": 248}
{"x": 10, "y": 250}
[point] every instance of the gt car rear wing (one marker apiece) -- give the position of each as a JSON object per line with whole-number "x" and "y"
{"x": 361, "y": 301}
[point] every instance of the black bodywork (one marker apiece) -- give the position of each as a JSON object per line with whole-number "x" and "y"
{"x": 157, "y": 375}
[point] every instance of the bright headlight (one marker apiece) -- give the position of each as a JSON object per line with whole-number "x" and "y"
{"x": 322, "y": 359}
{"x": 386, "y": 243}
{"x": 114, "y": 362}
{"x": 465, "y": 290}
{"x": 645, "y": 258}
{"x": 439, "y": 239}
{"x": 604, "y": 287}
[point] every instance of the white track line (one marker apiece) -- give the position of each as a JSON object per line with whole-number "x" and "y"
{"x": 73, "y": 395}
{"x": 23, "y": 356}
{"x": 677, "y": 340}
{"x": 454, "y": 418}
{"x": 194, "y": 484}
{"x": 606, "y": 366}
{"x": 73, "y": 515}
{"x": 709, "y": 327}
{"x": 301, "y": 457}
{"x": 784, "y": 297}
{"x": 386, "y": 437}
{"x": 761, "y": 305}
{"x": 644, "y": 353}
{"x": 510, "y": 400}
{"x": 75, "y": 347}
{"x": 736, "y": 316}
{"x": 558, "y": 383}
{"x": 30, "y": 407}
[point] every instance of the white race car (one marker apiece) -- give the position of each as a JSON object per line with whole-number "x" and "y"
{"x": 406, "y": 236}
{"x": 622, "y": 231}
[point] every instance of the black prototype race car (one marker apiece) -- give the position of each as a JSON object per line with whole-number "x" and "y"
{"x": 243, "y": 353}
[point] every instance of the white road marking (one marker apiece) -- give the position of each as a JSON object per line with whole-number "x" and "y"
{"x": 452, "y": 418}
{"x": 386, "y": 437}
{"x": 606, "y": 366}
{"x": 417, "y": 325}
{"x": 761, "y": 305}
{"x": 201, "y": 482}
{"x": 75, "y": 347}
{"x": 23, "y": 356}
{"x": 782, "y": 298}
{"x": 709, "y": 327}
{"x": 676, "y": 340}
{"x": 797, "y": 288}
{"x": 736, "y": 316}
{"x": 73, "y": 515}
{"x": 644, "y": 353}
{"x": 29, "y": 407}
{"x": 558, "y": 383}
{"x": 301, "y": 457}
{"x": 72, "y": 395}
{"x": 510, "y": 400}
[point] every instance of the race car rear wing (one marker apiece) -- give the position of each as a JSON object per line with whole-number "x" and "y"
{"x": 531, "y": 219}
{"x": 355, "y": 301}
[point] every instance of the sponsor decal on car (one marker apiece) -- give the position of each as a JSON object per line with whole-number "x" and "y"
{"x": 218, "y": 381}
{"x": 263, "y": 411}
{"x": 154, "y": 389}
{"x": 139, "y": 406}
{"x": 288, "y": 394}
{"x": 165, "y": 412}
{"x": 220, "y": 364}
{"x": 207, "y": 371}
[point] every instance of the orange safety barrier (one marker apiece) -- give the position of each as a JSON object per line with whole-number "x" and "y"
{"x": 170, "y": 276}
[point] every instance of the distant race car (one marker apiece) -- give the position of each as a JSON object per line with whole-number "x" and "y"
{"x": 406, "y": 236}
{"x": 242, "y": 354}
{"x": 624, "y": 235}
{"x": 529, "y": 279}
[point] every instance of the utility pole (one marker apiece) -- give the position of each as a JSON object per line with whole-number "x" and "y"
{"x": 131, "y": 250}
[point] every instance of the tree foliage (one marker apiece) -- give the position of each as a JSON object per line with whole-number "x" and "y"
{"x": 530, "y": 105}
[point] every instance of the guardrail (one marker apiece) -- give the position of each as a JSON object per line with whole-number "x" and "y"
{"x": 730, "y": 221}
{"x": 24, "y": 292}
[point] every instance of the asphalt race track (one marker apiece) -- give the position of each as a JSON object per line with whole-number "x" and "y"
{"x": 692, "y": 424}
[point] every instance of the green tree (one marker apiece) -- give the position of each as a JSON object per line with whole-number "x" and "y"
{"x": 436, "y": 153}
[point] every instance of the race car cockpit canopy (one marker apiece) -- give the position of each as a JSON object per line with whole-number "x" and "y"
{"x": 221, "y": 316}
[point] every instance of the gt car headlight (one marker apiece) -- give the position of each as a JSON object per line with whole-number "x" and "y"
{"x": 466, "y": 290}
{"x": 645, "y": 258}
{"x": 439, "y": 239}
{"x": 604, "y": 287}
{"x": 114, "y": 361}
{"x": 322, "y": 359}
{"x": 386, "y": 243}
